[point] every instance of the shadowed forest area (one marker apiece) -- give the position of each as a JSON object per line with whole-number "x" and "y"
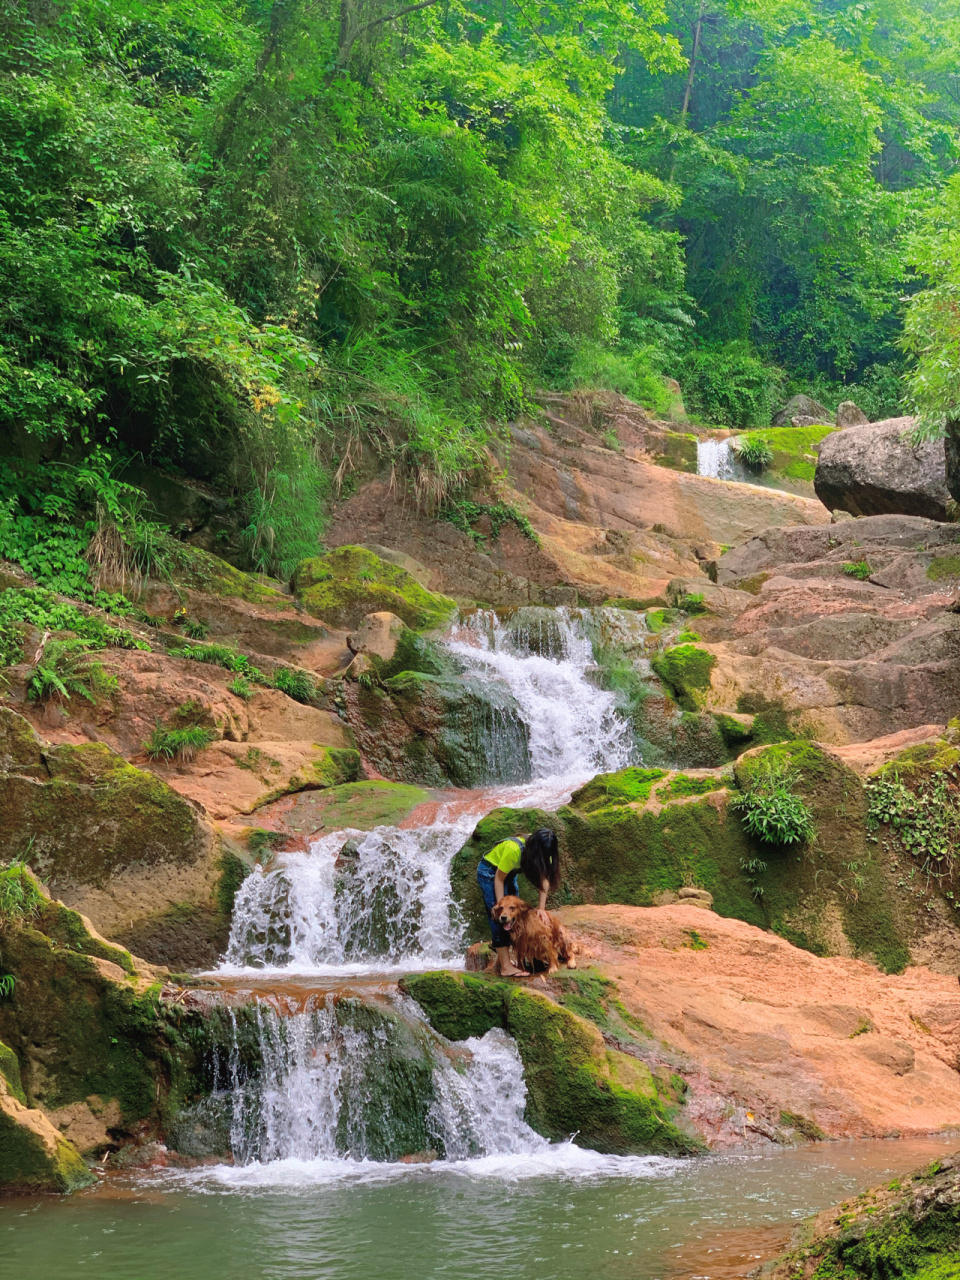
{"x": 247, "y": 241}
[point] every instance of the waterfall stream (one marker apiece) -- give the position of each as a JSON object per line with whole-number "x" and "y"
{"x": 378, "y": 903}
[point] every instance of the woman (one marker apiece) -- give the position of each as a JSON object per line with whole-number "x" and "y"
{"x": 538, "y": 857}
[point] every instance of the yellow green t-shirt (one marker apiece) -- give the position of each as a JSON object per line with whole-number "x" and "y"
{"x": 505, "y": 856}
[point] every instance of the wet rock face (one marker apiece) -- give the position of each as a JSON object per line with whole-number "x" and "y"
{"x": 575, "y": 1083}
{"x": 873, "y": 468}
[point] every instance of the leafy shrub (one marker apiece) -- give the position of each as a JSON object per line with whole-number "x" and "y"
{"x": 295, "y": 684}
{"x": 43, "y": 610}
{"x": 859, "y": 569}
{"x": 196, "y": 630}
{"x": 753, "y": 451}
{"x": 771, "y": 810}
{"x": 177, "y": 744}
{"x": 730, "y": 385}
{"x": 66, "y": 669}
{"x": 464, "y": 514}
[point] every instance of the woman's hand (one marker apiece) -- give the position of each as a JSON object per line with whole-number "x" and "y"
{"x": 544, "y": 914}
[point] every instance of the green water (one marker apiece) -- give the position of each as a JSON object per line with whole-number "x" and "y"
{"x": 710, "y": 1219}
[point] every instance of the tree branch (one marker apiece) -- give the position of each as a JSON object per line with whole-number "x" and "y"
{"x": 349, "y": 38}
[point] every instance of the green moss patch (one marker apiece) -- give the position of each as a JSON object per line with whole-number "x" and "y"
{"x": 345, "y": 585}
{"x": 686, "y": 670}
{"x": 575, "y": 1084}
{"x": 628, "y": 786}
{"x": 944, "y": 567}
{"x": 681, "y": 784}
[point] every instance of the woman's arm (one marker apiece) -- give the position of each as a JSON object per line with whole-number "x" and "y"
{"x": 544, "y": 890}
{"x": 498, "y": 880}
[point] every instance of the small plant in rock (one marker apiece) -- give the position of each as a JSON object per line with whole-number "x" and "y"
{"x": 295, "y": 684}
{"x": 692, "y": 602}
{"x": 242, "y": 688}
{"x": 196, "y": 630}
{"x": 857, "y": 569}
{"x": 772, "y": 811}
{"x": 178, "y": 744}
{"x": 753, "y": 451}
{"x": 925, "y": 821}
{"x": 7, "y": 983}
{"x": 65, "y": 669}
{"x": 19, "y": 895}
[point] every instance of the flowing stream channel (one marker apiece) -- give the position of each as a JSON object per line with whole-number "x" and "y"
{"x": 348, "y": 1067}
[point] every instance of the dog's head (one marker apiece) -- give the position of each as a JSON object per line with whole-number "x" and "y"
{"x": 508, "y": 911}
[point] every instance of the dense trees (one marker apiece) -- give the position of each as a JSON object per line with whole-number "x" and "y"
{"x": 243, "y": 238}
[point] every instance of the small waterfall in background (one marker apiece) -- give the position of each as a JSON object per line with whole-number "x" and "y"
{"x": 716, "y": 458}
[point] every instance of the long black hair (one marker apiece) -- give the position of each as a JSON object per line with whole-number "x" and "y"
{"x": 540, "y": 859}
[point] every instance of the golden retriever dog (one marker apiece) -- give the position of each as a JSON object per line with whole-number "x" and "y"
{"x": 537, "y": 946}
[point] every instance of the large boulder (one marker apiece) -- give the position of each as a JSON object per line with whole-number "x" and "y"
{"x": 116, "y": 843}
{"x": 874, "y": 468}
{"x": 801, "y": 407}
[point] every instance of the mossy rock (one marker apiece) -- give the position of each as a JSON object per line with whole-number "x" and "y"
{"x": 92, "y": 813}
{"x": 200, "y": 570}
{"x": 576, "y": 1086}
{"x": 617, "y": 850}
{"x": 686, "y": 670}
{"x": 628, "y": 786}
{"x": 345, "y": 585}
{"x": 33, "y": 1155}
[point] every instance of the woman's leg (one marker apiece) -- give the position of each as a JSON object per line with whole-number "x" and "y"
{"x": 499, "y": 936}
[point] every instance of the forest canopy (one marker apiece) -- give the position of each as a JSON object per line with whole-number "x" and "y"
{"x": 248, "y": 240}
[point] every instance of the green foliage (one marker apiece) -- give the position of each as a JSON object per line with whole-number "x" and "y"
{"x": 857, "y": 569}
{"x": 294, "y": 683}
{"x": 242, "y": 688}
{"x": 730, "y": 385}
{"x": 65, "y": 669}
{"x": 43, "y": 610}
{"x": 19, "y": 896}
{"x": 464, "y": 514}
{"x": 925, "y": 819}
{"x": 178, "y": 743}
{"x": 754, "y": 451}
{"x": 634, "y": 374}
{"x": 772, "y": 811}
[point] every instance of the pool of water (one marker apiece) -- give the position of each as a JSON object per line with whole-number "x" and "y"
{"x": 709, "y": 1219}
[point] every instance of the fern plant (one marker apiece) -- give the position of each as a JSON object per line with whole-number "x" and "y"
{"x": 65, "y": 669}
{"x": 753, "y": 451}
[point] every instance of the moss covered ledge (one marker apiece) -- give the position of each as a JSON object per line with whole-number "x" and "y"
{"x": 342, "y": 587}
{"x": 576, "y": 1085}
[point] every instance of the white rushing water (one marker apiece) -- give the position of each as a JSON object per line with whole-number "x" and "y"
{"x": 385, "y": 904}
{"x": 716, "y": 458}
{"x": 574, "y": 728}
{"x": 316, "y": 1111}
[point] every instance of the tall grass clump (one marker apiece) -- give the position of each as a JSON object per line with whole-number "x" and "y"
{"x": 771, "y": 810}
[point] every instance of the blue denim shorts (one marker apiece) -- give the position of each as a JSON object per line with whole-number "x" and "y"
{"x": 486, "y": 873}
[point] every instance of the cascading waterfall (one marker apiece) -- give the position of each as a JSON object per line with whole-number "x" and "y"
{"x": 380, "y": 902}
{"x": 332, "y": 1086}
{"x": 716, "y": 458}
{"x": 381, "y": 899}
{"x": 574, "y": 728}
